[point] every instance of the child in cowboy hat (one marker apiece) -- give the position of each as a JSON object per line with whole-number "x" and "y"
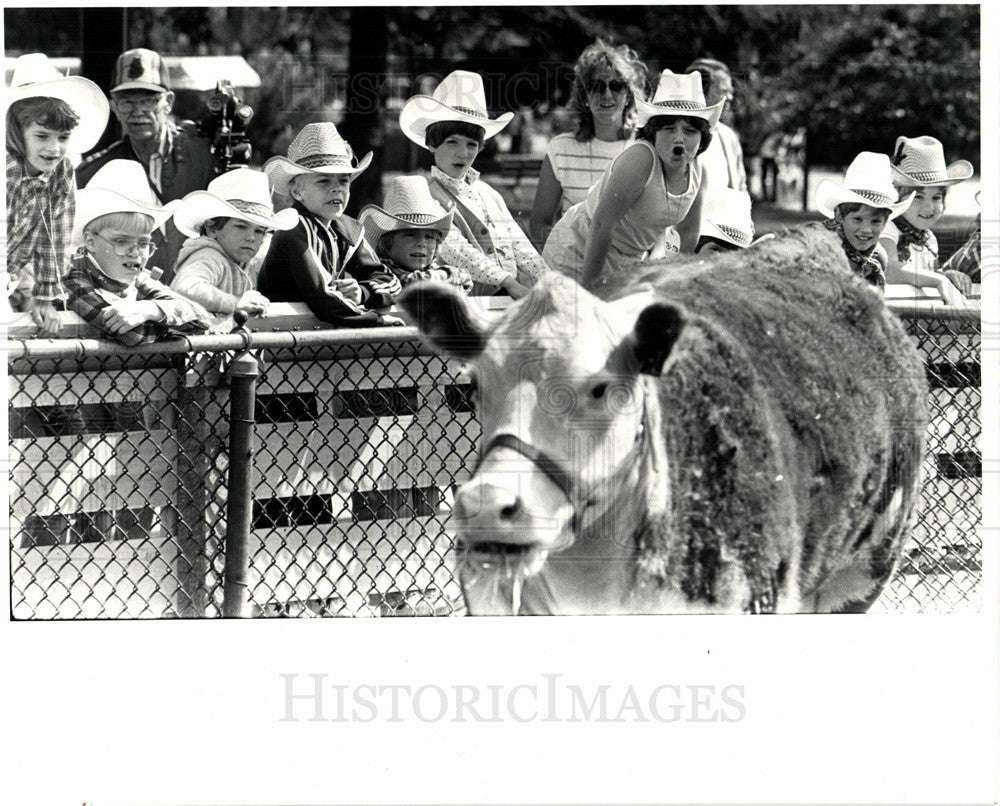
{"x": 726, "y": 223}
{"x": 407, "y": 232}
{"x": 49, "y": 116}
{"x": 325, "y": 260}
{"x": 858, "y": 210}
{"x": 486, "y": 241}
{"x": 918, "y": 168}
{"x": 226, "y": 226}
{"x": 654, "y": 184}
{"x": 107, "y": 286}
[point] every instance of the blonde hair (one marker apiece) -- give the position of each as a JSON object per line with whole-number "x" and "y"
{"x": 130, "y": 223}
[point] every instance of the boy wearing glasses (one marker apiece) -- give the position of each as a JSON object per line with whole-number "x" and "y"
{"x": 175, "y": 158}
{"x": 106, "y": 283}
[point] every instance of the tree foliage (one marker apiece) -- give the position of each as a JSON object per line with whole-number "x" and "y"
{"x": 855, "y": 76}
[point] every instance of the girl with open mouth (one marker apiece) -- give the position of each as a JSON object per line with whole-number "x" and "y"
{"x": 654, "y": 184}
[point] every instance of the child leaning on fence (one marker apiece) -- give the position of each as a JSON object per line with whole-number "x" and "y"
{"x": 919, "y": 170}
{"x": 47, "y": 117}
{"x": 226, "y": 226}
{"x": 858, "y": 209}
{"x": 325, "y": 261}
{"x": 107, "y": 284}
{"x": 407, "y": 232}
{"x": 485, "y": 240}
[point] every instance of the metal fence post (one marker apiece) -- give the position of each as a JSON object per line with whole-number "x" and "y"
{"x": 243, "y": 372}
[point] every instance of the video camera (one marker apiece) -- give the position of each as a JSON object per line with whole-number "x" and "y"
{"x": 226, "y": 126}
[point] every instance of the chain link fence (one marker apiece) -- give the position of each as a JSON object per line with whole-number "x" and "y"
{"x": 120, "y": 462}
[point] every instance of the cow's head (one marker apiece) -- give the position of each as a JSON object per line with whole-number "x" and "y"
{"x": 562, "y": 383}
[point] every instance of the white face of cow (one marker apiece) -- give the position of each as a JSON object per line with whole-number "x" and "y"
{"x": 561, "y": 402}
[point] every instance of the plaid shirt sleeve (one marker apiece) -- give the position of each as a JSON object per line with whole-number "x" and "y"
{"x": 40, "y": 225}
{"x": 87, "y": 303}
{"x": 181, "y": 315}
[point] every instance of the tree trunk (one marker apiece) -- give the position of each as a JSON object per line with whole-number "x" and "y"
{"x": 102, "y": 35}
{"x": 364, "y": 127}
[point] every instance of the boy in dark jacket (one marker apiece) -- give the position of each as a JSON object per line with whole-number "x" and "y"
{"x": 325, "y": 261}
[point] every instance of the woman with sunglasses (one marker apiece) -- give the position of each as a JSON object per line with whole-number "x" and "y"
{"x": 607, "y": 81}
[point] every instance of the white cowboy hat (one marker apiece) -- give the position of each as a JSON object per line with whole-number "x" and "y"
{"x": 460, "y": 98}
{"x": 725, "y": 215}
{"x": 120, "y": 186}
{"x": 35, "y": 77}
{"x": 317, "y": 149}
{"x": 868, "y": 180}
{"x": 241, "y": 193}
{"x": 678, "y": 95}
{"x": 139, "y": 69}
{"x": 919, "y": 162}
{"x": 408, "y": 205}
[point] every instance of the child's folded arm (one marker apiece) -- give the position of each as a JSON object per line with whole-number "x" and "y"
{"x": 455, "y": 250}
{"x": 199, "y": 280}
{"x": 326, "y": 303}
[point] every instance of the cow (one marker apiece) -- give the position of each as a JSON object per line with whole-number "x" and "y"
{"x": 741, "y": 433}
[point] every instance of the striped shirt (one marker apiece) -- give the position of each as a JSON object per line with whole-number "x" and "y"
{"x": 40, "y": 213}
{"x": 577, "y": 166}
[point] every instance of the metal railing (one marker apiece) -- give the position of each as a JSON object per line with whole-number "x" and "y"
{"x": 337, "y": 453}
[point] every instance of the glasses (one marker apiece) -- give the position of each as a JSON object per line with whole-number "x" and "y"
{"x": 124, "y": 246}
{"x": 599, "y": 86}
{"x": 144, "y": 104}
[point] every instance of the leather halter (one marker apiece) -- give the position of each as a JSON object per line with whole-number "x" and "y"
{"x": 556, "y": 473}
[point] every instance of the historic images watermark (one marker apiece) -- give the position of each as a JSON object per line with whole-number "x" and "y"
{"x": 549, "y": 698}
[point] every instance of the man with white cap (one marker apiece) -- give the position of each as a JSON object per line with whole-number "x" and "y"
{"x": 176, "y": 159}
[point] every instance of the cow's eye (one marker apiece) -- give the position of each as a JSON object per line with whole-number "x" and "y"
{"x": 598, "y": 391}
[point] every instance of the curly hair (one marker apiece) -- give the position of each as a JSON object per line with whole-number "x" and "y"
{"x": 624, "y": 63}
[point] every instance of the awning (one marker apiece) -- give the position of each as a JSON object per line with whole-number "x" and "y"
{"x": 203, "y": 72}
{"x": 183, "y": 72}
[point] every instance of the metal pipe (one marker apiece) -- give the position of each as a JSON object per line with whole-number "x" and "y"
{"x": 243, "y": 373}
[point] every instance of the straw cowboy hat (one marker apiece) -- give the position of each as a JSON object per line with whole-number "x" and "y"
{"x": 678, "y": 94}
{"x": 919, "y": 162}
{"x": 725, "y": 215}
{"x": 460, "y": 98}
{"x": 317, "y": 149}
{"x": 241, "y": 193}
{"x": 408, "y": 205}
{"x": 139, "y": 69}
{"x": 120, "y": 186}
{"x": 868, "y": 180}
{"x": 35, "y": 77}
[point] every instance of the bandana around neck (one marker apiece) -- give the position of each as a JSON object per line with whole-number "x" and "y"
{"x": 864, "y": 264}
{"x": 909, "y": 235}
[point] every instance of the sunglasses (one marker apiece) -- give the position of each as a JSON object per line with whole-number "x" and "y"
{"x": 599, "y": 86}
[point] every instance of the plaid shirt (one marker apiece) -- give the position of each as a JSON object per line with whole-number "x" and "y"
{"x": 91, "y": 292}
{"x": 40, "y": 224}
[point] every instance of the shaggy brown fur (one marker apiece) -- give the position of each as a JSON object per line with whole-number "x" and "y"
{"x": 783, "y": 339}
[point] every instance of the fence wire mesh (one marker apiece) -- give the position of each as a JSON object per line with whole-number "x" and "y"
{"x": 119, "y": 460}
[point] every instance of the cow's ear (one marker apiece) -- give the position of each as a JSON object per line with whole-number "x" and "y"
{"x": 445, "y": 318}
{"x": 656, "y": 331}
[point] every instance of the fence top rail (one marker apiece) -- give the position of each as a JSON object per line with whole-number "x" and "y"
{"x": 69, "y": 348}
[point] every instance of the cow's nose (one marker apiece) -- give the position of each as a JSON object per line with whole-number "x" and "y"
{"x": 484, "y": 504}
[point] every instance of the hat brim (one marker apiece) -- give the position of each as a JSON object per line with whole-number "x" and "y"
{"x": 377, "y": 222}
{"x": 829, "y": 194}
{"x": 742, "y": 239}
{"x": 645, "y": 111}
{"x": 139, "y": 85}
{"x": 199, "y": 206}
{"x": 92, "y": 203}
{"x": 281, "y": 170}
{"x": 421, "y": 111}
{"x": 83, "y": 96}
{"x": 958, "y": 171}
